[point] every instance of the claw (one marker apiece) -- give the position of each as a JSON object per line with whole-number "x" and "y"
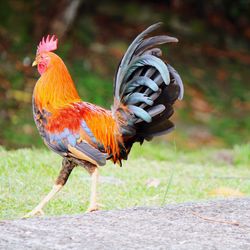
{"x": 34, "y": 212}
{"x": 92, "y": 208}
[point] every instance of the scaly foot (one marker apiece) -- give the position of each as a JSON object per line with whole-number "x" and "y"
{"x": 35, "y": 212}
{"x": 92, "y": 208}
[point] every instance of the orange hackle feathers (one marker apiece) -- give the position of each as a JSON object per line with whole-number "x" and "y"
{"x": 55, "y": 88}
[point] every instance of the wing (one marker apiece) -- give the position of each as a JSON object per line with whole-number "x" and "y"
{"x": 68, "y": 134}
{"x": 72, "y": 143}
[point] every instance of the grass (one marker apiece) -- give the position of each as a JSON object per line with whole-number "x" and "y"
{"x": 26, "y": 175}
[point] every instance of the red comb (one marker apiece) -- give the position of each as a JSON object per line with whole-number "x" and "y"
{"x": 47, "y": 44}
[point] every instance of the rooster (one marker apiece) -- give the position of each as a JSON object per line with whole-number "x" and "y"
{"x": 145, "y": 89}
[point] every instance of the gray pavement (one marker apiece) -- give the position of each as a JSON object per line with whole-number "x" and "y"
{"x": 217, "y": 224}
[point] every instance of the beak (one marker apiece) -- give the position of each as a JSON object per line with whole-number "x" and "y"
{"x": 34, "y": 63}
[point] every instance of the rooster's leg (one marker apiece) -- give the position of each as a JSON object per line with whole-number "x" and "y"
{"x": 67, "y": 167}
{"x": 94, "y": 179}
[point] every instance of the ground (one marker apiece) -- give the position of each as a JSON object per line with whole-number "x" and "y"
{"x": 217, "y": 224}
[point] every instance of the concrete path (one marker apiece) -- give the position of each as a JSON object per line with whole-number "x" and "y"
{"x": 218, "y": 224}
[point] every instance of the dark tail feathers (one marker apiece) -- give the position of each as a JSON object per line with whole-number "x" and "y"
{"x": 145, "y": 90}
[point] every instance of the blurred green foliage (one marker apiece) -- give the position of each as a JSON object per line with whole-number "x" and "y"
{"x": 212, "y": 57}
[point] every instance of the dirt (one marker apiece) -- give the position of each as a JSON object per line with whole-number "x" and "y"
{"x": 217, "y": 224}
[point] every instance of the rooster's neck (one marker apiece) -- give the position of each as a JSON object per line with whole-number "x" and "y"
{"x": 55, "y": 88}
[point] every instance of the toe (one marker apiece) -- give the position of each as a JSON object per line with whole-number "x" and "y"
{"x": 35, "y": 212}
{"x": 92, "y": 209}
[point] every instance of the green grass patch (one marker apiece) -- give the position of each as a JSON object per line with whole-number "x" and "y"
{"x": 26, "y": 175}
